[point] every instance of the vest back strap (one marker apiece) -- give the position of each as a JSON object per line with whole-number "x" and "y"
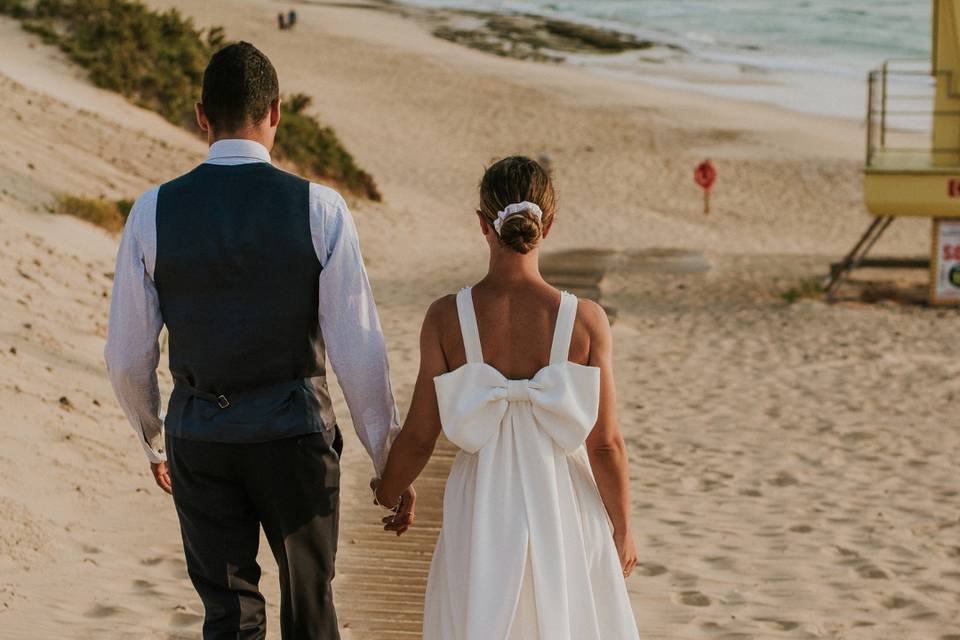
{"x": 222, "y": 401}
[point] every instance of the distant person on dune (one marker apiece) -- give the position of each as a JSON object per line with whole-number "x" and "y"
{"x": 258, "y": 277}
{"x": 291, "y": 19}
{"x": 281, "y": 21}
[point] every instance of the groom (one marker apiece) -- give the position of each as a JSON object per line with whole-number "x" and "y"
{"x": 257, "y": 275}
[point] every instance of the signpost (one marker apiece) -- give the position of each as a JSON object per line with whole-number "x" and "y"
{"x": 705, "y": 175}
{"x": 945, "y": 268}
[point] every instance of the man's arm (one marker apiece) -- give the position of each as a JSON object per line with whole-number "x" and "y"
{"x": 132, "y": 352}
{"x": 350, "y": 325}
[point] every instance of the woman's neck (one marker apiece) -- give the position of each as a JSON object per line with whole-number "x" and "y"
{"x": 510, "y": 266}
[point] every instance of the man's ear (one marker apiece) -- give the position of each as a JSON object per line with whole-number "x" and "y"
{"x": 275, "y": 112}
{"x": 202, "y": 121}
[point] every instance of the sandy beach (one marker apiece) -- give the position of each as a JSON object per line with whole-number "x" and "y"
{"x": 794, "y": 465}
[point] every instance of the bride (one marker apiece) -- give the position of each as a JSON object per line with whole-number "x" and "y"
{"x": 536, "y": 538}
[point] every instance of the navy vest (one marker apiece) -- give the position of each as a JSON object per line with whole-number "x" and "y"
{"x": 237, "y": 275}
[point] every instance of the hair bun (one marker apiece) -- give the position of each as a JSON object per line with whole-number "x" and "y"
{"x": 521, "y": 232}
{"x": 517, "y": 195}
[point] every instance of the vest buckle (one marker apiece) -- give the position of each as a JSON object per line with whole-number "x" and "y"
{"x": 222, "y": 401}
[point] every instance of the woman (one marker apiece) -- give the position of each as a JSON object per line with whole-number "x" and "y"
{"x": 519, "y": 376}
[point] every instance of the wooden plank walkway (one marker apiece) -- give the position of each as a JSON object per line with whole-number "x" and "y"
{"x": 381, "y": 579}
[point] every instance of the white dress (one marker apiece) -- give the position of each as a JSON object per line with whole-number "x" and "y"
{"x": 526, "y": 551}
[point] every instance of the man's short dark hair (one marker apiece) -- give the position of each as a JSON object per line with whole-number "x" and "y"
{"x": 238, "y": 86}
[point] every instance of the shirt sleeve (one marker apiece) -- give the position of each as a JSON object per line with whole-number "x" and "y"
{"x": 132, "y": 352}
{"x": 350, "y": 325}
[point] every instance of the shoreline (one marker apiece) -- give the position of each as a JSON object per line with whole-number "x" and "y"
{"x": 599, "y": 47}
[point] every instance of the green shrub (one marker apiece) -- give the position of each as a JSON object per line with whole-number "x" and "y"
{"x": 316, "y": 150}
{"x": 14, "y": 8}
{"x": 156, "y": 60}
{"x": 807, "y": 289}
{"x": 109, "y": 214}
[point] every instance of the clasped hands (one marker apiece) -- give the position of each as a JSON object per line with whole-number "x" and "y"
{"x": 402, "y": 507}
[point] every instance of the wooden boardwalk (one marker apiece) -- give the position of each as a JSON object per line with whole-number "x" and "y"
{"x": 381, "y": 579}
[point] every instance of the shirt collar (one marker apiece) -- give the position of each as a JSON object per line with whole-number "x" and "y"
{"x": 237, "y": 151}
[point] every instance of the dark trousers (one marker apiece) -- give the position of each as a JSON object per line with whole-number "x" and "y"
{"x": 223, "y": 494}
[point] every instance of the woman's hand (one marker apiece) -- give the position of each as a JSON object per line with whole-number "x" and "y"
{"x": 627, "y": 550}
{"x": 404, "y": 508}
{"x": 405, "y": 514}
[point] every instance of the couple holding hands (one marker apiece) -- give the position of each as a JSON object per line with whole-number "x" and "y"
{"x": 258, "y": 277}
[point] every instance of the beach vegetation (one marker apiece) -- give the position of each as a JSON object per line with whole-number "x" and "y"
{"x": 304, "y": 142}
{"x": 157, "y": 59}
{"x": 109, "y": 214}
{"x": 811, "y": 288}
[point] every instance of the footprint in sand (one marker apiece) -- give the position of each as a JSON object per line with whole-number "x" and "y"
{"x": 896, "y": 602}
{"x": 176, "y": 566}
{"x": 801, "y": 528}
{"x": 182, "y": 617}
{"x": 103, "y": 611}
{"x": 692, "y": 599}
{"x": 649, "y": 569}
{"x": 872, "y": 572}
{"x": 783, "y": 479}
{"x": 778, "y": 625}
{"x": 924, "y": 616}
{"x": 145, "y": 588}
{"x": 687, "y": 580}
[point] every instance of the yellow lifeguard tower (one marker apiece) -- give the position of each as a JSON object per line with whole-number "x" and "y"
{"x": 913, "y": 141}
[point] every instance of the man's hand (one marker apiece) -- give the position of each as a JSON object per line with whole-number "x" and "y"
{"x": 161, "y": 473}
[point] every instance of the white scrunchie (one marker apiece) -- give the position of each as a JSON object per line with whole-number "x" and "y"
{"x": 514, "y": 209}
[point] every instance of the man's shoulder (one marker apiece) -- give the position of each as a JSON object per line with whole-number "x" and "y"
{"x": 326, "y": 197}
{"x": 144, "y": 206}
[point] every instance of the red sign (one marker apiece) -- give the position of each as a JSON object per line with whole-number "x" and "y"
{"x": 953, "y": 188}
{"x": 705, "y": 175}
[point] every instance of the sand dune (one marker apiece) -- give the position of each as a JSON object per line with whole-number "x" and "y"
{"x": 794, "y": 466}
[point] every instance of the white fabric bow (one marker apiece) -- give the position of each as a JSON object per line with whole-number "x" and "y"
{"x": 564, "y": 400}
{"x": 516, "y": 209}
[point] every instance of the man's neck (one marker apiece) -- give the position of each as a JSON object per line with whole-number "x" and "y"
{"x": 252, "y": 136}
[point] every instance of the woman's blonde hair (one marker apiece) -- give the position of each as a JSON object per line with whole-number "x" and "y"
{"x": 512, "y": 180}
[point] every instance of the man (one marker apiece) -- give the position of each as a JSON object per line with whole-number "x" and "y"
{"x": 257, "y": 274}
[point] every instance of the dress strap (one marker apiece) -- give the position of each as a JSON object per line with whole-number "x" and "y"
{"x": 468, "y": 325}
{"x": 560, "y": 351}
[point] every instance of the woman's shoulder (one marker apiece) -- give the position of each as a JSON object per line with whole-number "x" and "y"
{"x": 591, "y": 330}
{"x": 591, "y": 315}
{"x": 442, "y": 307}
{"x": 441, "y": 312}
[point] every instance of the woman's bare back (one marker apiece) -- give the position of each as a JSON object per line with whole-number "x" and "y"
{"x": 516, "y": 323}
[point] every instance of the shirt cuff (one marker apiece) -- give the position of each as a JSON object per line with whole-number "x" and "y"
{"x": 155, "y": 456}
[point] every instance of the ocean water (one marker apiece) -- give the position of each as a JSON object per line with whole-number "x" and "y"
{"x": 781, "y": 51}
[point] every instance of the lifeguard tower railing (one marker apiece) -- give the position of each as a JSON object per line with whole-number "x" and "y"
{"x": 900, "y": 112}
{"x": 904, "y": 167}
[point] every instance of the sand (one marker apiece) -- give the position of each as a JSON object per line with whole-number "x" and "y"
{"x": 793, "y": 466}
